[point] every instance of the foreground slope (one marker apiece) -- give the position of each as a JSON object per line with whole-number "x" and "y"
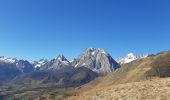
{"x": 145, "y": 68}
{"x": 135, "y": 80}
{"x": 155, "y": 89}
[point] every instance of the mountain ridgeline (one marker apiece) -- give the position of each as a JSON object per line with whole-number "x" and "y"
{"x": 98, "y": 60}
{"x": 90, "y": 64}
{"x": 61, "y": 78}
{"x": 146, "y": 78}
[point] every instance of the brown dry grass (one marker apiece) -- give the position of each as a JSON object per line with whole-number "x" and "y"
{"x": 155, "y": 89}
{"x": 138, "y": 80}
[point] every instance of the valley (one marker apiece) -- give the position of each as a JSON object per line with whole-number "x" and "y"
{"x": 94, "y": 75}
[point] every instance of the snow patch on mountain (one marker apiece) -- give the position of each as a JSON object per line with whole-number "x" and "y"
{"x": 41, "y": 63}
{"x": 62, "y": 59}
{"x": 8, "y": 60}
{"x": 129, "y": 58}
{"x": 38, "y": 63}
{"x": 97, "y": 60}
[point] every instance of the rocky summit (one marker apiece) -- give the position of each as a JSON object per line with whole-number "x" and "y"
{"x": 98, "y": 60}
{"x": 91, "y": 63}
{"x": 56, "y": 63}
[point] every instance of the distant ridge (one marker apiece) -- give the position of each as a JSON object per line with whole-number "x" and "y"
{"x": 91, "y": 63}
{"x": 129, "y": 58}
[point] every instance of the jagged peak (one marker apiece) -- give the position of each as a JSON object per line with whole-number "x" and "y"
{"x": 89, "y": 50}
{"x": 61, "y": 57}
{"x": 93, "y": 51}
{"x": 130, "y": 55}
{"x": 102, "y": 50}
{"x": 96, "y": 59}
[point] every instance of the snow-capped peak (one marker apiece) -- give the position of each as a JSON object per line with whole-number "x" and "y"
{"x": 61, "y": 58}
{"x": 129, "y": 58}
{"x": 39, "y": 63}
{"x": 8, "y": 60}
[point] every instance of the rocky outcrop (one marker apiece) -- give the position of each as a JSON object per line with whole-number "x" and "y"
{"x": 85, "y": 67}
{"x": 24, "y": 66}
{"x": 98, "y": 60}
{"x": 56, "y": 63}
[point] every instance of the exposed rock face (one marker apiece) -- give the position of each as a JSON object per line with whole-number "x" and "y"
{"x": 40, "y": 63}
{"x": 98, "y": 60}
{"x": 86, "y": 67}
{"x": 11, "y": 67}
{"x": 8, "y": 71}
{"x": 56, "y": 63}
{"x": 24, "y": 66}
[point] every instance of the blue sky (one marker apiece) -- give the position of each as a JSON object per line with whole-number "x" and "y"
{"x": 35, "y": 29}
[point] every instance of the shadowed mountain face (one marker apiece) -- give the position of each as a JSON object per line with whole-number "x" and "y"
{"x": 10, "y": 68}
{"x": 62, "y": 77}
{"x": 56, "y": 63}
{"x": 8, "y": 71}
{"x": 91, "y": 63}
{"x": 25, "y": 66}
{"x": 59, "y": 72}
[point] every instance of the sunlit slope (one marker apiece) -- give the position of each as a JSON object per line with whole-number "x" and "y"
{"x": 138, "y": 76}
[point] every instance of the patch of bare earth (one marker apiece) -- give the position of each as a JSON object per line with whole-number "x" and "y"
{"x": 154, "y": 89}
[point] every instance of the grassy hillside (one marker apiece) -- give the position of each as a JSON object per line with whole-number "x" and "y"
{"x": 154, "y": 89}
{"x": 144, "y": 68}
{"x": 141, "y": 70}
{"x": 142, "y": 79}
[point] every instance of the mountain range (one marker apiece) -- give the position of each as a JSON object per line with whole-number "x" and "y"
{"x": 85, "y": 77}
{"x": 90, "y": 64}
